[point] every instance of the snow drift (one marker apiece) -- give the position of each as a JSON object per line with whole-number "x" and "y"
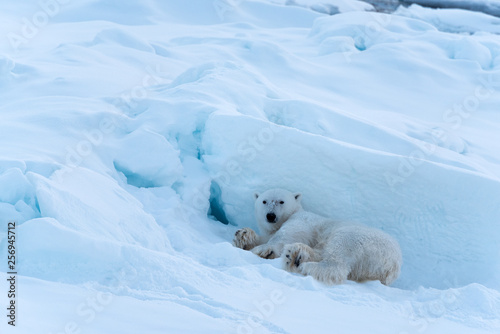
{"x": 134, "y": 136}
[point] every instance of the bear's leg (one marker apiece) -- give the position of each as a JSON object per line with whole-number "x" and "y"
{"x": 390, "y": 274}
{"x": 296, "y": 254}
{"x": 268, "y": 251}
{"x": 245, "y": 238}
{"x": 325, "y": 271}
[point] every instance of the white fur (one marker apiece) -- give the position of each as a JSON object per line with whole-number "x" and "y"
{"x": 313, "y": 245}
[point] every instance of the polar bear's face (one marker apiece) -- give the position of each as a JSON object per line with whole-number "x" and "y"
{"x": 274, "y": 207}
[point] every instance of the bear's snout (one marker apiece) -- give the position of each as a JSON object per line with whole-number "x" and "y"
{"x": 271, "y": 217}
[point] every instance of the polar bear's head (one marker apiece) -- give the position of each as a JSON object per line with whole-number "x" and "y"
{"x": 274, "y": 207}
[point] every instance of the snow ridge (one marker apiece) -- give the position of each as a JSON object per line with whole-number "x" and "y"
{"x": 135, "y": 135}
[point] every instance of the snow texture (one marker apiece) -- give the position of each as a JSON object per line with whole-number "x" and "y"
{"x": 134, "y": 135}
{"x": 491, "y": 7}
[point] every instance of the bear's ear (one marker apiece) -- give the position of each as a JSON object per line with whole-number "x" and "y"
{"x": 298, "y": 197}
{"x": 256, "y": 195}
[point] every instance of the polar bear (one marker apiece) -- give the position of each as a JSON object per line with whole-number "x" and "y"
{"x": 313, "y": 245}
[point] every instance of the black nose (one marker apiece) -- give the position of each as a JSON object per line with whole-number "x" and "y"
{"x": 271, "y": 217}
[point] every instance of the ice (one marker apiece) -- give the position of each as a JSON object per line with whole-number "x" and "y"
{"x": 330, "y": 6}
{"x": 134, "y": 136}
{"x": 357, "y": 182}
{"x": 141, "y": 157}
{"x": 491, "y": 7}
{"x": 17, "y": 187}
{"x": 109, "y": 212}
{"x": 453, "y": 20}
{"x": 6, "y": 66}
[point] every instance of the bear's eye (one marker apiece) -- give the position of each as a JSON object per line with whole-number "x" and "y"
{"x": 264, "y": 202}
{"x": 281, "y": 202}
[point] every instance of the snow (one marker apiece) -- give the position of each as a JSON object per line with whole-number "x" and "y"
{"x": 329, "y": 7}
{"x": 491, "y": 7}
{"x": 135, "y": 134}
{"x": 453, "y": 20}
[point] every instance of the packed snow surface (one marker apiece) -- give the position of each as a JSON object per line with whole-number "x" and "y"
{"x": 135, "y": 133}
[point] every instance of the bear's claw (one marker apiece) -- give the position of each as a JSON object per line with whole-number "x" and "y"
{"x": 297, "y": 260}
{"x": 296, "y": 254}
{"x": 268, "y": 256}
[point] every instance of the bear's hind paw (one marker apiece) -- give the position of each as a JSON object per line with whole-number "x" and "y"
{"x": 266, "y": 251}
{"x": 295, "y": 254}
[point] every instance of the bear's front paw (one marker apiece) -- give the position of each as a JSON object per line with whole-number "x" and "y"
{"x": 266, "y": 251}
{"x": 245, "y": 238}
{"x": 295, "y": 254}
